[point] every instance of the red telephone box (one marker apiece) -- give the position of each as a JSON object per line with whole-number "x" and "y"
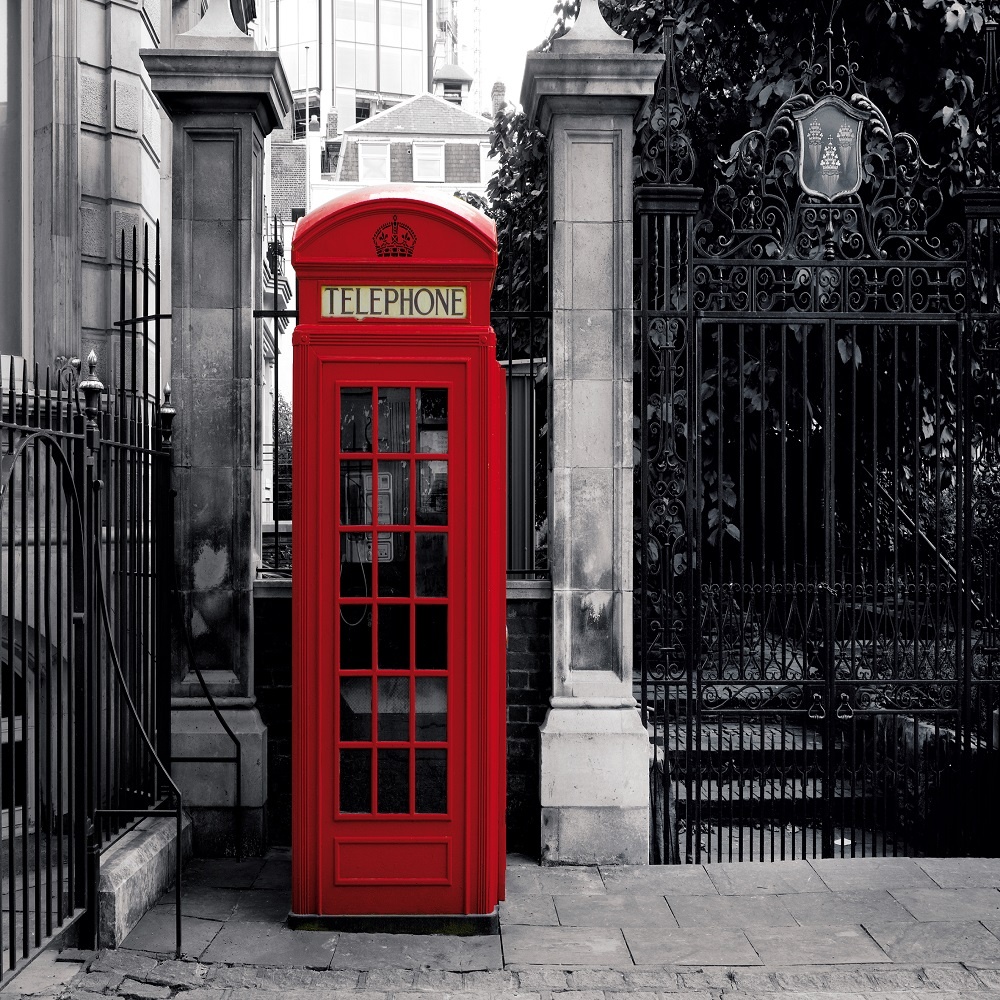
{"x": 399, "y": 563}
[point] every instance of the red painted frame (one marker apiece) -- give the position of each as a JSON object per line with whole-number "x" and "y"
{"x": 450, "y": 244}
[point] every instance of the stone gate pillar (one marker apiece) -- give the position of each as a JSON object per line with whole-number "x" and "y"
{"x": 223, "y": 97}
{"x": 585, "y": 94}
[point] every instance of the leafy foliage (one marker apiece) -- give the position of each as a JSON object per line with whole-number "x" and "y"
{"x": 738, "y": 60}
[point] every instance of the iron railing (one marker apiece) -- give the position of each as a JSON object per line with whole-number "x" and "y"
{"x": 86, "y": 523}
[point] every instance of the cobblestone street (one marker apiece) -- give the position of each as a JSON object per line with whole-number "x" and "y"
{"x": 823, "y": 930}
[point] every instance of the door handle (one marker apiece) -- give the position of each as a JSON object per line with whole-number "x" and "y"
{"x": 816, "y": 709}
{"x": 844, "y": 710}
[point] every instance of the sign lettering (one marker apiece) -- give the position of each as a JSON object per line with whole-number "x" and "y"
{"x": 394, "y": 302}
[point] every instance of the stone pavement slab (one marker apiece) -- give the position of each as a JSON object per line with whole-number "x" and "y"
{"x": 871, "y": 873}
{"x": 815, "y": 945}
{"x": 666, "y": 880}
{"x": 849, "y": 906}
{"x": 950, "y": 904}
{"x": 731, "y": 911}
{"x": 937, "y": 941}
{"x": 686, "y": 946}
{"x": 223, "y": 873}
{"x": 271, "y": 905}
{"x": 528, "y": 910}
{"x": 276, "y": 874}
{"x": 751, "y": 878}
{"x": 155, "y": 933}
{"x": 415, "y": 951}
{"x": 552, "y": 881}
{"x": 260, "y": 943}
{"x": 955, "y": 873}
{"x": 203, "y": 901}
{"x": 614, "y": 910}
{"x": 568, "y": 947}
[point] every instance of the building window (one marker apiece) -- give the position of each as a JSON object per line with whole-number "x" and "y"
{"x": 362, "y": 111}
{"x": 299, "y": 116}
{"x": 329, "y": 157}
{"x": 373, "y": 162}
{"x": 428, "y": 162}
{"x": 15, "y": 177}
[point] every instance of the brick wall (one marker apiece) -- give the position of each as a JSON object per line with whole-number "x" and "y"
{"x": 401, "y": 162}
{"x": 288, "y": 178}
{"x": 272, "y": 650}
{"x": 349, "y": 156}
{"x": 461, "y": 163}
{"x": 529, "y": 688}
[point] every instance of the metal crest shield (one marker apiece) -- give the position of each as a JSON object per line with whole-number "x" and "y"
{"x": 829, "y": 155}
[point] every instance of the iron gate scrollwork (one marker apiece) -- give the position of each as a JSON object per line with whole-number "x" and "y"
{"x": 816, "y": 495}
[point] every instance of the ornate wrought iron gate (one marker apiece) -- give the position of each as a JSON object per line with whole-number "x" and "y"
{"x": 816, "y": 490}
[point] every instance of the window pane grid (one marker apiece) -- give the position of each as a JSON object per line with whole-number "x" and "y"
{"x": 408, "y": 726}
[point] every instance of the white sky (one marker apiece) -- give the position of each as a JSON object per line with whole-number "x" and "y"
{"x": 509, "y": 29}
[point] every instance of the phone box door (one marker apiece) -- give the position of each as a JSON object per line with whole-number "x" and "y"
{"x": 398, "y": 582}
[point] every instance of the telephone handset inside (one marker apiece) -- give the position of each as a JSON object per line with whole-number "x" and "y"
{"x": 357, "y": 493}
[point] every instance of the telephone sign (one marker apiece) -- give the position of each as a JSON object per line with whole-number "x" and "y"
{"x": 399, "y": 587}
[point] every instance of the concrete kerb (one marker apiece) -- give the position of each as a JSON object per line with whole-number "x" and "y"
{"x": 136, "y": 871}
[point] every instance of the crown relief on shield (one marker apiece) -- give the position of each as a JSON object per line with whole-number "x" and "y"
{"x": 394, "y": 239}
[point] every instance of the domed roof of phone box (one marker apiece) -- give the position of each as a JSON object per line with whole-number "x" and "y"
{"x": 350, "y": 229}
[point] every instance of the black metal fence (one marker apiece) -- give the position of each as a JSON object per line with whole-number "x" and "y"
{"x": 85, "y": 520}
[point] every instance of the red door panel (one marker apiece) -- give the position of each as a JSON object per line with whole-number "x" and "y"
{"x": 395, "y": 683}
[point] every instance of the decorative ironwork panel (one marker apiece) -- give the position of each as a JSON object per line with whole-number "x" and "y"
{"x": 817, "y": 503}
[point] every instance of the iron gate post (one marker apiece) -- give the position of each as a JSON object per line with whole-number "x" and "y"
{"x": 91, "y": 387}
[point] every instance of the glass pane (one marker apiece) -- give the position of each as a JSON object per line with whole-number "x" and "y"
{"x": 356, "y": 419}
{"x": 432, "y": 565}
{"x": 390, "y": 68}
{"x": 432, "y": 493}
{"x": 394, "y": 708}
{"x": 393, "y": 781}
{"x": 394, "y": 564}
{"x": 394, "y": 637}
{"x": 393, "y": 420}
{"x": 393, "y": 492}
{"x": 414, "y": 79}
{"x": 345, "y": 23}
{"x": 345, "y": 61}
{"x": 432, "y": 420}
{"x": 365, "y": 76}
{"x": 355, "y": 492}
{"x": 432, "y": 781}
{"x": 390, "y": 25}
{"x": 356, "y": 564}
{"x": 432, "y": 637}
{"x": 432, "y": 708}
{"x": 355, "y": 708}
{"x": 355, "y": 637}
{"x": 365, "y": 21}
{"x": 356, "y": 781}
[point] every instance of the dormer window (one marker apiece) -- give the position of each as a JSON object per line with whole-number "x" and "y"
{"x": 373, "y": 162}
{"x": 428, "y": 162}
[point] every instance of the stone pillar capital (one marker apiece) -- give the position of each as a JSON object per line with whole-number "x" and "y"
{"x": 194, "y": 80}
{"x": 590, "y": 69}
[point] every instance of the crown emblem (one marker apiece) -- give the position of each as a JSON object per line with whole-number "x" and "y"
{"x": 394, "y": 239}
